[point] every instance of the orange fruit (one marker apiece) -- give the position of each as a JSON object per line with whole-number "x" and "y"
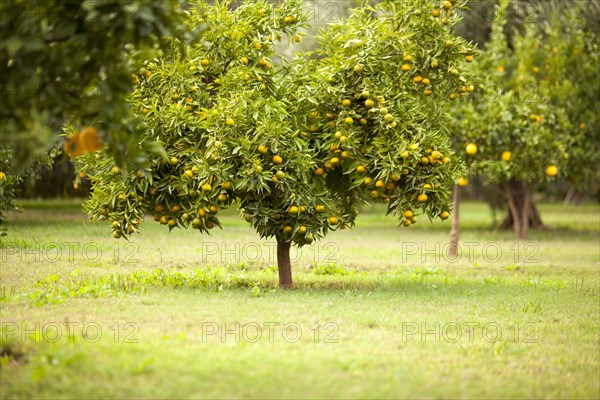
{"x": 277, "y": 160}
{"x": 333, "y": 220}
{"x": 361, "y": 169}
{"x": 293, "y": 210}
{"x": 552, "y": 170}
{"x": 88, "y": 138}
{"x": 73, "y": 146}
{"x": 471, "y": 149}
{"x": 320, "y": 171}
{"x": 408, "y": 213}
{"x": 380, "y": 184}
{"x": 422, "y": 198}
{"x": 463, "y": 182}
{"x": 230, "y": 121}
{"x": 444, "y": 215}
{"x": 319, "y": 208}
{"x": 506, "y": 155}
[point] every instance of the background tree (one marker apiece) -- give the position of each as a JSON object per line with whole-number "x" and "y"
{"x": 518, "y": 131}
{"x": 298, "y": 149}
{"x": 68, "y": 59}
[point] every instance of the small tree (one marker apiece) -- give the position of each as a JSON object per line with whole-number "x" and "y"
{"x": 300, "y": 147}
{"x": 518, "y": 132}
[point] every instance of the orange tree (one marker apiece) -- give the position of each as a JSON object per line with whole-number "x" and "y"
{"x": 297, "y": 147}
{"x": 519, "y": 131}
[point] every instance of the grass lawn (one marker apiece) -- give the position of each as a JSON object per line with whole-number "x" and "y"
{"x": 378, "y": 311}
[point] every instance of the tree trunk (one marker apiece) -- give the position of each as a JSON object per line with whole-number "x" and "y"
{"x": 455, "y": 227}
{"x": 510, "y": 190}
{"x": 284, "y": 264}
{"x": 573, "y": 197}
{"x": 522, "y": 212}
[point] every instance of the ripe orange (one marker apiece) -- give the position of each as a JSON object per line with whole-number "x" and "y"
{"x": 368, "y": 180}
{"x": 435, "y": 13}
{"x": 506, "y": 155}
{"x": 277, "y": 159}
{"x": 163, "y": 220}
{"x": 349, "y": 120}
{"x": 552, "y": 170}
{"x": 469, "y": 59}
{"x": 226, "y": 185}
{"x": 380, "y": 184}
{"x": 406, "y": 223}
{"x": 213, "y": 209}
{"x": 422, "y": 198}
{"x": 287, "y": 229}
{"x": 408, "y": 213}
{"x": 361, "y": 169}
{"x": 444, "y": 215}
{"x": 201, "y": 212}
{"x": 205, "y": 62}
{"x": 582, "y": 126}
{"x": 172, "y": 223}
{"x": 346, "y": 103}
{"x": 2, "y": 176}
{"x": 293, "y": 210}
{"x": 369, "y": 103}
{"x": 88, "y": 139}
{"x": 230, "y": 121}
{"x": 206, "y": 187}
{"x": 426, "y": 81}
{"x": 334, "y": 161}
{"x": 320, "y": 171}
{"x": 418, "y": 79}
{"x": 189, "y": 174}
{"x": 471, "y": 149}
{"x": 176, "y": 208}
{"x": 174, "y": 160}
{"x": 427, "y": 92}
{"x": 463, "y": 182}
{"x": 73, "y": 146}
{"x": 405, "y": 67}
{"x": 333, "y": 220}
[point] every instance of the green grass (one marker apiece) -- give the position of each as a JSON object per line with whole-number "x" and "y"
{"x": 378, "y": 311}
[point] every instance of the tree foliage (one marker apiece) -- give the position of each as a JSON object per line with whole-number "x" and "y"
{"x": 297, "y": 147}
